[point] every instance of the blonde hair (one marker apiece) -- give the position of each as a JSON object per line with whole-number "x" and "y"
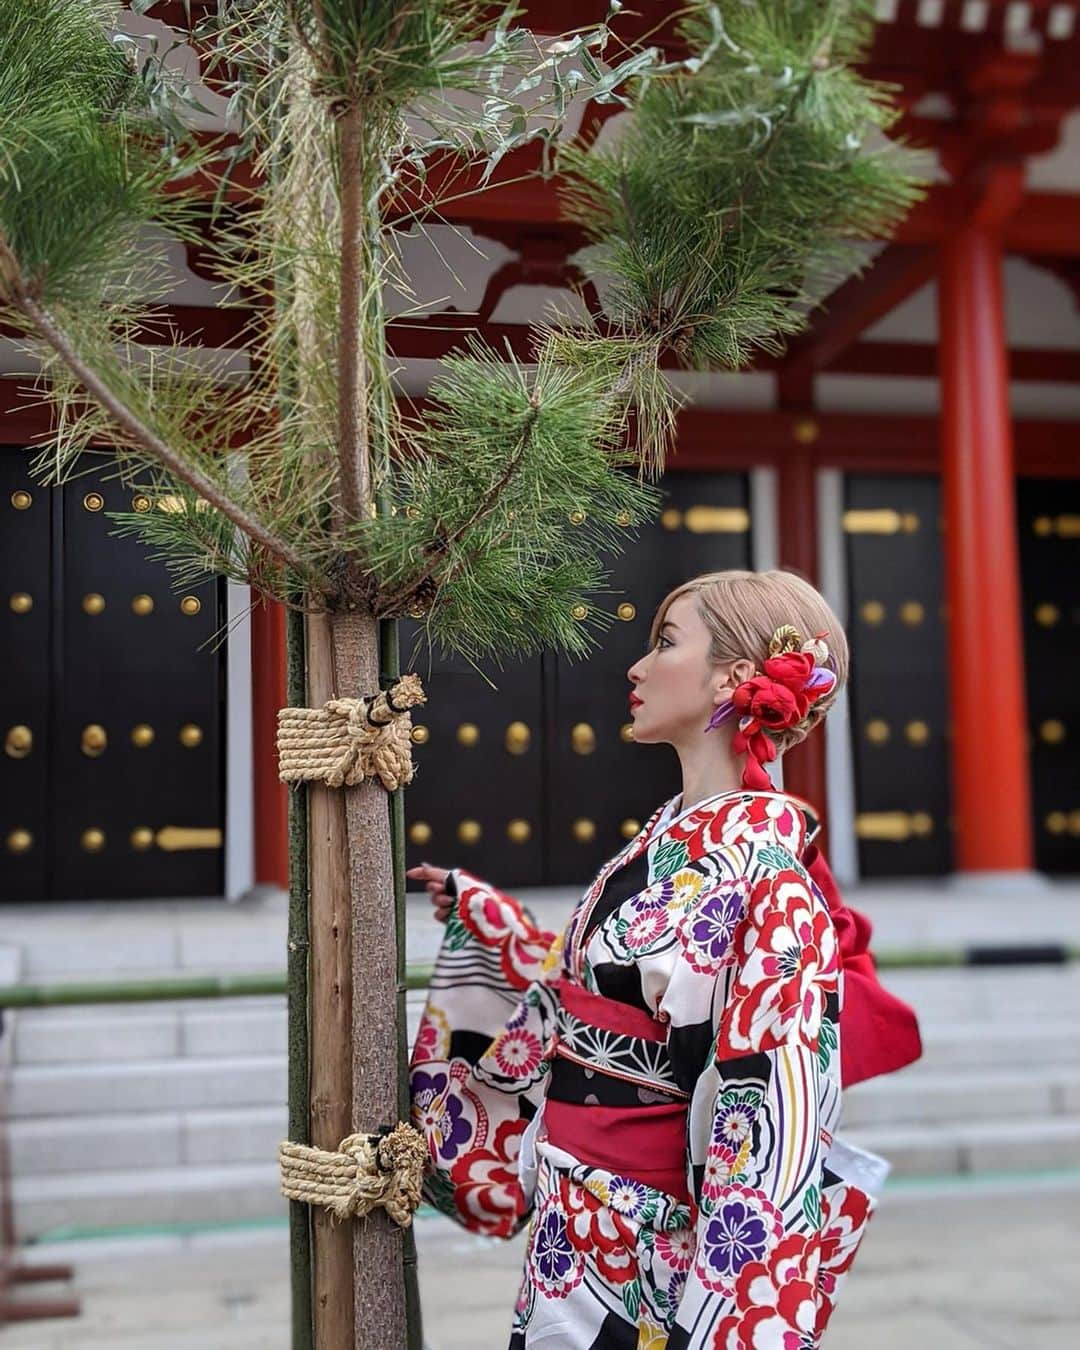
{"x": 742, "y": 610}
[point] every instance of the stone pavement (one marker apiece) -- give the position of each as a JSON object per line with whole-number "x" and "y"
{"x": 946, "y": 1266}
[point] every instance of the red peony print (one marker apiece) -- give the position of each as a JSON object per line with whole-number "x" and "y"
{"x": 786, "y": 949}
{"x": 593, "y": 1228}
{"x": 845, "y": 1213}
{"x": 486, "y": 1188}
{"x": 774, "y": 1300}
{"x": 499, "y": 922}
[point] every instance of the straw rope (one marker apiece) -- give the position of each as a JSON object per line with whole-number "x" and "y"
{"x": 349, "y": 739}
{"x": 366, "y": 1171}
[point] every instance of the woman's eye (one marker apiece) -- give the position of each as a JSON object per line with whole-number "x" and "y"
{"x": 663, "y": 642}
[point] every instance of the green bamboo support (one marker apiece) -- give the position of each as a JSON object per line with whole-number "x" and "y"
{"x": 297, "y": 988}
{"x": 390, "y": 662}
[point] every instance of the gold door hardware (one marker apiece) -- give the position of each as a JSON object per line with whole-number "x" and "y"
{"x": 579, "y": 612}
{"x": 141, "y": 839}
{"x": 21, "y": 603}
{"x": 1052, "y": 731}
{"x": 880, "y": 522}
{"x": 1065, "y": 527}
{"x": 518, "y": 738}
{"x": 190, "y": 736}
{"x": 583, "y": 739}
{"x": 141, "y": 502}
{"x": 420, "y": 833}
{"x": 624, "y": 518}
{"x": 419, "y": 735}
{"x": 1057, "y": 822}
{"x": 93, "y": 501}
{"x": 469, "y": 832}
{"x": 576, "y": 517}
{"x": 20, "y": 841}
{"x": 93, "y": 603}
{"x": 626, "y": 612}
{"x": 626, "y": 732}
{"x": 92, "y": 840}
{"x": 707, "y": 519}
{"x": 893, "y": 826}
{"x": 877, "y": 731}
{"x": 94, "y": 740}
{"x": 630, "y": 829}
{"x": 142, "y": 735}
{"x": 917, "y": 733}
{"x": 1047, "y": 615}
{"x": 178, "y": 838}
{"x": 468, "y": 733}
{"x": 191, "y": 604}
{"x": 519, "y": 831}
{"x": 21, "y": 500}
{"x": 583, "y": 830}
{"x": 912, "y": 613}
{"x": 142, "y": 604}
{"x": 18, "y": 742}
{"x": 806, "y": 431}
{"x": 873, "y": 611}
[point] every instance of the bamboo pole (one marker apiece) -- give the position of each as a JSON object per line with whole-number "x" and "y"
{"x": 298, "y": 949}
{"x": 391, "y": 669}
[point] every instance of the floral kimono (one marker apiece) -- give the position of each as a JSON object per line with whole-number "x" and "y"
{"x": 655, "y": 1092}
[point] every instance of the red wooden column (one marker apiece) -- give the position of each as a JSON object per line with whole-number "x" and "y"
{"x": 991, "y": 789}
{"x": 804, "y": 766}
{"x": 267, "y": 696}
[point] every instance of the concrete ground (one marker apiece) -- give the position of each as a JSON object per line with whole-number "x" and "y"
{"x": 947, "y": 1265}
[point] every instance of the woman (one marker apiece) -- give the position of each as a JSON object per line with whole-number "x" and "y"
{"x": 657, "y": 1090}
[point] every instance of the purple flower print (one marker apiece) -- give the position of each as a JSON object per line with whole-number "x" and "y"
{"x": 626, "y": 1197}
{"x": 736, "y": 1233}
{"x": 438, "y": 1114}
{"x": 707, "y": 930}
{"x": 733, "y": 1122}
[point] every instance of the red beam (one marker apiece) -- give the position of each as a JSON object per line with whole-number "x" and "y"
{"x": 898, "y": 272}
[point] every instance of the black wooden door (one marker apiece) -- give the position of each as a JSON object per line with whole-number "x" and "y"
{"x": 1049, "y": 517}
{"x": 898, "y": 685}
{"x": 535, "y": 781}
{"x": 113, "y": 705}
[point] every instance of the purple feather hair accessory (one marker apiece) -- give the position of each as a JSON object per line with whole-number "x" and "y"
{"x": 722, "y": 713}
{"x": 820, "y": 678}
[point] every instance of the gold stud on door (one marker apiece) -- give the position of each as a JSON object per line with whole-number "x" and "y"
{"x": 19, "y": 742}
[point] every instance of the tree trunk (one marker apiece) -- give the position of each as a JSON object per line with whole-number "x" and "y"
{"x": 354, "y": 1040}
{"x": 330, "y": 999}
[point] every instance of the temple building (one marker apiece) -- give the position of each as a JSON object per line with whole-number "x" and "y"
{"x": 916, "y": 453}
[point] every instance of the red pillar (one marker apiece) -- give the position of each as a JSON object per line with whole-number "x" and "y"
{"x": 804, "y": 766}
{"x": 267, "y": 696}
{"x": 991, "y": 790}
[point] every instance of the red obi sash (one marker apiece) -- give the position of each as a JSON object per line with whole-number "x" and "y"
{"x": 643, "y": 1143}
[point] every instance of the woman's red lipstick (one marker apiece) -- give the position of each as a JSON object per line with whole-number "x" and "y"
{"x": 635, "y": 702}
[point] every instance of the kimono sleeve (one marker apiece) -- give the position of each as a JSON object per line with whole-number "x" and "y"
{"x": 479, "y": 1064}
{"x": 754, "y": 987}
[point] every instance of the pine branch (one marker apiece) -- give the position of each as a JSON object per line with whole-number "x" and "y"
{"x": 353, "y": 432}
{"x": 445, "y": 543}
{"x": 50, "y": 332}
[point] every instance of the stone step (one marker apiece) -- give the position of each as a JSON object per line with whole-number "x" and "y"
{"x": 102, "y": 1143}
{"x": 144, "y": 1196}
{"x": 978, "y": 1148}
{"x": 146, "y": 1085}
{"x": 113, "y": 1034}
{"x": 960, "y": 1045}
{"x": 929, "y": 1097}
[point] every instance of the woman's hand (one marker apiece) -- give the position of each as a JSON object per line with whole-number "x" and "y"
{"x": 434, "y": 879}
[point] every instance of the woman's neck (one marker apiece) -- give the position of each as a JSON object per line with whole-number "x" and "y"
{"x": 708, "y": 768}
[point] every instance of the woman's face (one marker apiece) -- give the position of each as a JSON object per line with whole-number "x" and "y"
{"x": 676, "y": 689}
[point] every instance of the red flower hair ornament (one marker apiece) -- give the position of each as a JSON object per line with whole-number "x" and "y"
{"x": 797, "y": 676}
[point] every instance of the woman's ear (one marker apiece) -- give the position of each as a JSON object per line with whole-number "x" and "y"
{"x": 736, "y": 673}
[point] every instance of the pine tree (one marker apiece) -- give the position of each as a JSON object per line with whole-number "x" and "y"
{"x": 741, "y": 183}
